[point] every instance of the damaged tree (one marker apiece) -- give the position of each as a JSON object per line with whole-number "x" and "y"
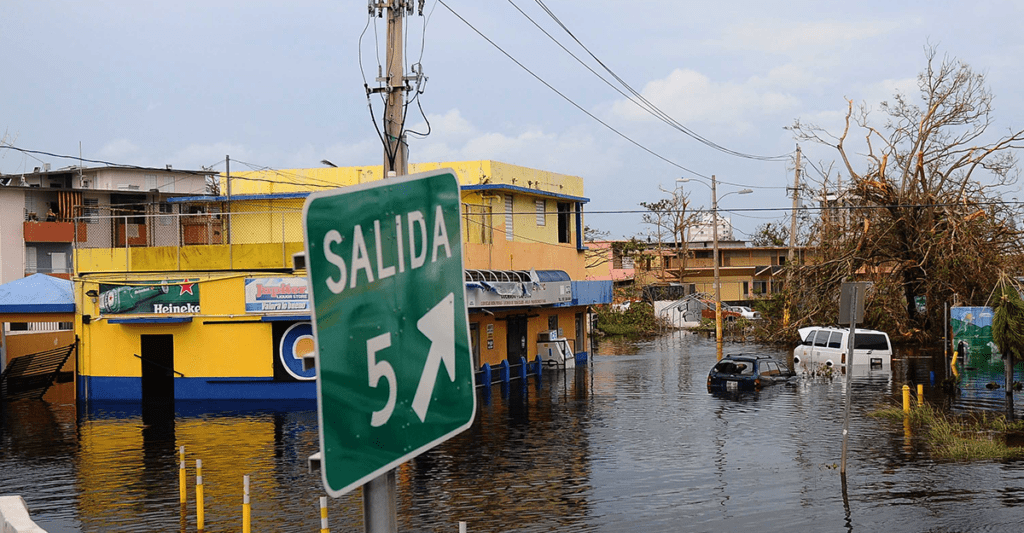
{"x": 922, "y": 213}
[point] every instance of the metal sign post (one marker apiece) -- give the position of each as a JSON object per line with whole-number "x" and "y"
{"x": 851, "y": 310}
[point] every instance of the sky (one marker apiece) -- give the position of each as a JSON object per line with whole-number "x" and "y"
{"x": 281, "y": 85}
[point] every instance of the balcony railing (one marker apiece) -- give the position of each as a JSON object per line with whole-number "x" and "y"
{"x": 279, "y": 230}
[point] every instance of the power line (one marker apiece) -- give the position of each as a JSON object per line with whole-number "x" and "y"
{"x": 640, "y": 100}
{"x": 567, "y": 99}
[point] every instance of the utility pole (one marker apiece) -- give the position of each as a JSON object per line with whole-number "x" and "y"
{"x": 718, "y": 284}
{"x": 380, "y": 510}
{"x": 792, "y": 237}
{"x": 396, "y": 152}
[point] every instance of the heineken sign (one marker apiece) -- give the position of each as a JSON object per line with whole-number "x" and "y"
{"x": 164, "y": 297}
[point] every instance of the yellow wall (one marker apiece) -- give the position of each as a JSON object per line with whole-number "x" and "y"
{"x": 215, "y": 350}
{"x": 536, "y": 324}
{"x": 469, "y": 173}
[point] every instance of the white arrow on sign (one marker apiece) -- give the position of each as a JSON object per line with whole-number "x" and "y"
{"x": 439, "y": 326}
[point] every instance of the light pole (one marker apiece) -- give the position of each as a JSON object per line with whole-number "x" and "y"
{"x": 714, "y": 233}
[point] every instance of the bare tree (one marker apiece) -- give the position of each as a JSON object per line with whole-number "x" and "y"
{"x": 922, "y": 211}
{"x": 669, "y": 217}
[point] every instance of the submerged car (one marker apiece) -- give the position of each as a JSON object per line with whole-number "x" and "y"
{"x": 747, "y": 372}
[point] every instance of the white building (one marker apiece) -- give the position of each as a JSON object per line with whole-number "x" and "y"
{"x": 38, "y": 209}
{"x": 703, "y": 230}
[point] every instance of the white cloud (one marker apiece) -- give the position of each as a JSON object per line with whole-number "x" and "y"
{"x": 800, "y": 38}
{"x": 691, "y": 97}
{"x": 119, "y": 151}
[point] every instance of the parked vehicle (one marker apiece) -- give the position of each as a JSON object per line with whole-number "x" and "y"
{"x": 827, "y": 347}
{"x": 745, "y": 312}
{"x": 747, "y": 372}
{"x": 709, "y": 311}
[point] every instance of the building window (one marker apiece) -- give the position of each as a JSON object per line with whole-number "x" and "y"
{"x": 760, "y": 287}
{"x": 59, "y": 262}
{"x": 150, "y": 182}
{"x": 564, "y": 233}
{"x": 553, "y": 322}
{"x": 166, "y": 210}
{"x": 746, "y": 289}
{"x": 30, "y": 259}
{"x": 508, "y": 218}
{"x": 90, "y": 210}
{"x": 542, "y": 209}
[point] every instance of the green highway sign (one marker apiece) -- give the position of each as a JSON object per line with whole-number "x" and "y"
{"x": 394, "y": 372}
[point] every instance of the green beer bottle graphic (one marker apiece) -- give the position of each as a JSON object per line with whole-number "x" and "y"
{"x": 124, "y": 299}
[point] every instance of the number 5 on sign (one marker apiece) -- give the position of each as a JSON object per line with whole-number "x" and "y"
{"x": 377, "y": 370}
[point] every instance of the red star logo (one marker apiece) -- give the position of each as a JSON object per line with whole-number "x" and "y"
{"x": 186, "y": 287}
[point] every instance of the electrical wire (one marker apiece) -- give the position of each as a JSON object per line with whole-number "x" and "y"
{"x": 567, "y": 99}
{"x": 646, "y": 104}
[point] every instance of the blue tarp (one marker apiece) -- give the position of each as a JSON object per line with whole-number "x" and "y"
{"x": 37, "y": 293}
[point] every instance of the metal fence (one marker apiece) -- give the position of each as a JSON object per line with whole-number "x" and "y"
{"x": 102, "y": 227}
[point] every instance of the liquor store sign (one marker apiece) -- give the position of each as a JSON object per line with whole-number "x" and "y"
{"x": 394, "y": 369}
{"x": 276, "y": 295}
{"x": 161, "y": 297}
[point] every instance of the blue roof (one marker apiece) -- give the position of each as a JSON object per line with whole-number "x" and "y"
{"x": 37, "y": 293}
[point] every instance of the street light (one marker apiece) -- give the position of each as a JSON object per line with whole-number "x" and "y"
{"x": 714, "y": 233}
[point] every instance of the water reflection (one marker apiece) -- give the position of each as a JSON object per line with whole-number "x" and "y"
{"x": 632, "y": 441}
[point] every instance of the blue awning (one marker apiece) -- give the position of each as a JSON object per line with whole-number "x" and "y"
{"x": 37, "y": 293}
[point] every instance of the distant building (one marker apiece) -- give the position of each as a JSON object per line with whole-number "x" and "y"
{"x": 703, "y": 230}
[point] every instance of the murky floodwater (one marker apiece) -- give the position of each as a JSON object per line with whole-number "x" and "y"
{"x": 632, "y": 443}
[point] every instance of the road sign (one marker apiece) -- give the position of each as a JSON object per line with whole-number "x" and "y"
{"x": 394, "y": 371}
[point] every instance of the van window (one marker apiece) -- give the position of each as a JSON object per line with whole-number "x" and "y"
{"x": 809, "y": 339}
{"x": 870, "y": 341}
{"x": 821, "y": 339}
{"x": 836, "y": 340}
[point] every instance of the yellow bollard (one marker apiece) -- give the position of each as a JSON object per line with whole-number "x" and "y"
{"x": 920, "y": 394}
{"x": 182, "y": 492}
{"x": 323, "y": 515}
{"x": 246, "y": 508}
{"x": 199, "y": 494}
{"x": 906, "y": 398}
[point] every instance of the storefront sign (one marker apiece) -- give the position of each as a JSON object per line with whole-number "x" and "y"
{"x": 511, "y": 294}
{"x": 275, "y": 295}
{"x": 163, "y": 297}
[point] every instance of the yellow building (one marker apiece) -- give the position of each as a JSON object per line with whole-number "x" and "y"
{"x": 208, "y": 304}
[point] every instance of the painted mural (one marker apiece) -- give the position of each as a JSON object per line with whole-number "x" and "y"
{"x": 973, "y": 327}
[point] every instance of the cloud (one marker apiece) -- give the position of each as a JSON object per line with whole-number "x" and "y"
{"x": 800, "y": 39}
{"x": 691, "y": 97}
{"x": 119, "y": 151}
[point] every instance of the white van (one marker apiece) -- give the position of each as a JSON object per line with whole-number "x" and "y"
{"x": 828, "y": 347}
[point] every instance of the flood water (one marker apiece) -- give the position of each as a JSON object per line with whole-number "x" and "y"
{"x": 632, "y": 442}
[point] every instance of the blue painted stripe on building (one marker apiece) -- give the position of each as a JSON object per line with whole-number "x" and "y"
{"x": 106, "y": 388}
{"x": 37, "y": 308}
{"x": 516, "y": 188}
{"x": 285, "y": 318}
{"x": 287, "y": 195}
{"x": 153, "y": 320}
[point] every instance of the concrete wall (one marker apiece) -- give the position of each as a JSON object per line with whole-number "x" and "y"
{"x": 14, "y": 517}
{"x": 12, "y": 243}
